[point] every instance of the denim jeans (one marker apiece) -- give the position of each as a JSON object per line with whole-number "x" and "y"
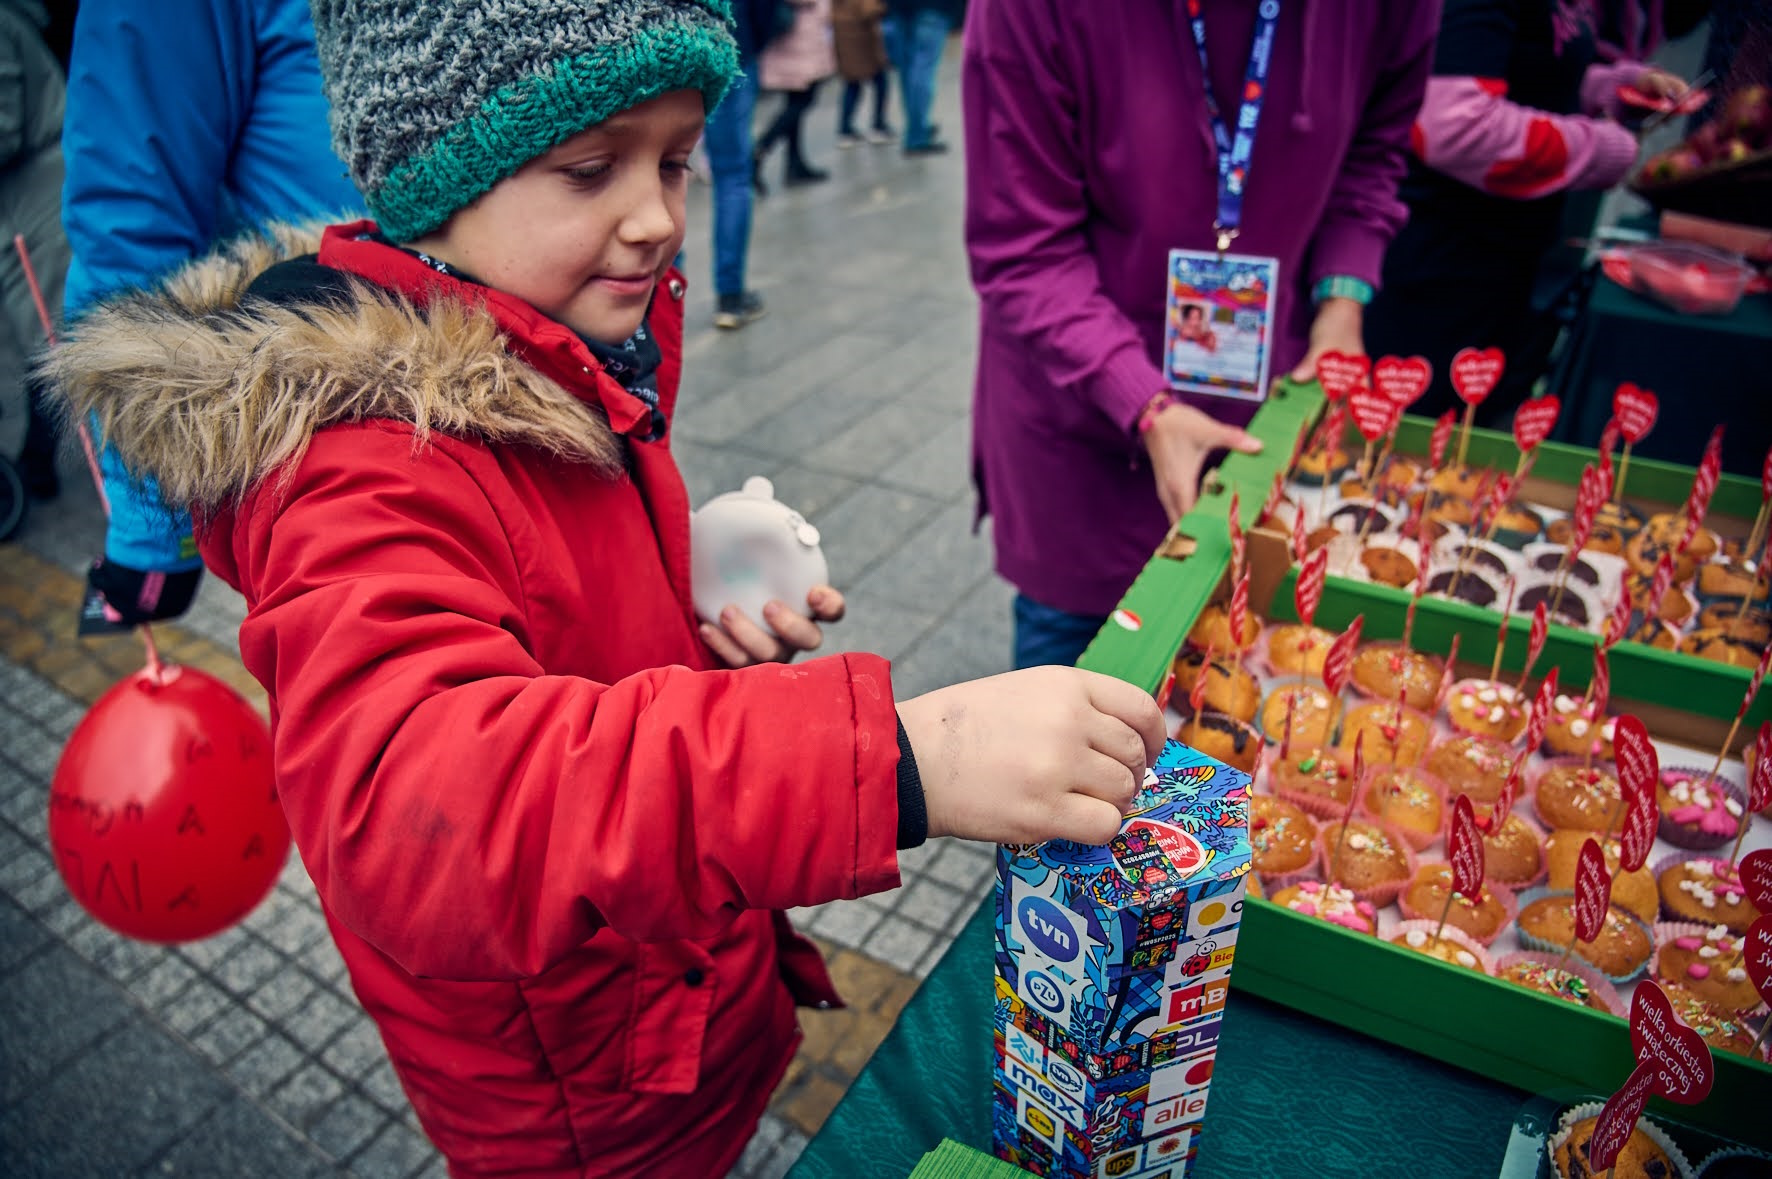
{"x": 1046, "y": 634}
{"x": 852, "y": 102}
{"x": 915, "y": 48}
{"x": 728, "y": 144}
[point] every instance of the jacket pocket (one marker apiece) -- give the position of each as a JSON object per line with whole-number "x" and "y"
{"x": 674, "y": 988}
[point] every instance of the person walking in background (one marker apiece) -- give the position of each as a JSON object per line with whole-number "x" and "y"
{"x": 1519, "y": 113}
{"x": 188, "y": 121}
{"x": 1093, "y": 151}
{"x": 861, "y": 59}
{"x": 916, "y": 35}
{"x": 727, "y": 142}
{"x": 794, "y": 63}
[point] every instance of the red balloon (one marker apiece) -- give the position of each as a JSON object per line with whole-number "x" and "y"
{"x": 163, "y": 819}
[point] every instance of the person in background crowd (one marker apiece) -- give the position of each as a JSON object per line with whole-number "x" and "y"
{"x": 861, "y": 59}
{"x": 1519, "y": 113}
{"x": 918, "y": 32}
{"x": 1090, "y": 154}
{"x": 727, "y": 142}
{"x": 794, "y": 63}
{"x": 32, "y": 94}
{"x": 188, "y": 121}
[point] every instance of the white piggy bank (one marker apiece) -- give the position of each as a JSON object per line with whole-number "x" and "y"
{"x": 748, "y": 547}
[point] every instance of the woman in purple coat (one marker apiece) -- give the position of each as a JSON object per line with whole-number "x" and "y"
{"x": 1091, "y": 152}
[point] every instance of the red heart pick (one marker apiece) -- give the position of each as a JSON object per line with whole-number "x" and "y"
{"x": 1464, "y": 849}
{"x": 1534, "y": 419}
{"x": 1373, "y": 412}
{"x": 1402, "y": 381}
{"x": 1638, "y": 764}
{"x": 1766, "y": 476}
{"x": 1683, "y": 1067}
{"x": 1759, "y": 782}
{"x": 1635, "y": 410}
{"x": 1756, "y": 877}
{"x": 1436, "y": 449}
{"x": 1758, "y": 956}
{"x": 1593, "y": 891}
{"x": 1637, "y": 835}
{"x": 1309, "y": 590}
{"x": 1476, "y": 372}
{"x": 1618, "y": 1119}
{"x": 1539, "y": 718}
{"x": 1340, "y": 660}
{"x": 1504, "y": 802}
{"x": 1340, "y": 374}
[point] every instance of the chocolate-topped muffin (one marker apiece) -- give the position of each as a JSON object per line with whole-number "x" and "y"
{"x": 1472, "y": 587}
{"x": 1568, "y": 607}
{"x": 1579, "y": 569}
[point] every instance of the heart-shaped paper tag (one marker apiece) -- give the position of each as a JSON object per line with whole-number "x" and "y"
{"x": 1759, "y": 782}
{"x": 1638, "y": 764}
{"x": 1758, "y": 956}
{"x": 1340, "y": 660}
{"x": 1402, "y": 380}
{"x": 1442, "y": 437}
{"x": 1539, "y": 717}
{"x": 1683, "y": 1067}
{"x": 1637, "y": 834}
{"x": 1618, "y": 625}
{"x": 1537, "y": 634}
{"x": 1476, "y": 372}
{"x": 1504, "y": 802}
{"x": 1464, "y": 849}
{"x": 1618, "y": 1119}
{"x": 1602, "y": 682}
{"x": 1756, "y": 878}
{"x": 1593, "y": 891}
{"x": 1309, "y": 590}
{"x": 1635, "y": 410}
{"x": 1340, "y": 374}
{"x": 1373, "y": 412}
{"x": 1534, "y": 419}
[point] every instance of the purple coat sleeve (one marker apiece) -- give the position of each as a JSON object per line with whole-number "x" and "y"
{"x": 1031, "y": 262}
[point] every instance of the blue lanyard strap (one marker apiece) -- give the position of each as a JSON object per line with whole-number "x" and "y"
{"x": 1234, "y": 153}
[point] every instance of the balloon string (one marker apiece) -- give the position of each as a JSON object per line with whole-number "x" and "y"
{"x": 156, "y": 670}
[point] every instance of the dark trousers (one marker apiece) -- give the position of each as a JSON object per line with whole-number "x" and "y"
{"x": 786, "y": 125}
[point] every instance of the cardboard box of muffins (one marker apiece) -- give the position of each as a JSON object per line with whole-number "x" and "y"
{"x": 1359, "y": 926}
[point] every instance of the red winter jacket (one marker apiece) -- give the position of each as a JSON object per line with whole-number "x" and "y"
{"x": 548, "y": 838}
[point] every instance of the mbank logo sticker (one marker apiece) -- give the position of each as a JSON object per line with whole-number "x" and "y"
{"x": 1049, "y": 928}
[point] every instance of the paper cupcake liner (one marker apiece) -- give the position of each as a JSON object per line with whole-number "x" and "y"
{"x": 1446, "y": 556}
{"x": 1604, "y": 991}
{"x": 1549, "y": 947}
{"x": 1594, "y": 608}
{"x": 1591, "y": 1109}
{"x": 1378, "y": 895}
{"x": 1680, "y": 835}
{"x": 1668, "y": 861}
{"x": 1734, "y": 1162}
{"x": 1417, "y": 841}
{"x": 1452, "y": 693}
{"x": 1543, "y": 872}
{"x": 1665, "y": 933}
{"x": 1510, "y": 907}
{"x": 1451, "y": 933}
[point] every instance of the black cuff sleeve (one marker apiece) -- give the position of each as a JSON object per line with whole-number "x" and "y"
{"x": 913, "y": 817}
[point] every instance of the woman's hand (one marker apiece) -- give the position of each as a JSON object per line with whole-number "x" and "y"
{"x": 1658, "y": 83}
{"x": 740, "y": 642}
{"x": 1337, "y": 328}
{"x": 1179, "y": 440}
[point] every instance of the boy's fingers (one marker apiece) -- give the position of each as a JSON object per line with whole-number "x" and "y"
{"x": 757, "y": 643}
{"x": 1113, "y": 737}
{"x": 827, "y": 604}
{"x": 1107, "y": 778}
{"x": 1088, "y": 820}
{"x": 718, "y": 641}
{"x": 1121, "y": 700}
{"x": 798, "y": 633}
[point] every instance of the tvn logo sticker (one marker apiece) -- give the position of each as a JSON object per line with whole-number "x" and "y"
{"x": 1193, "y": 1003}
{"x": 1206, "y": 959}
{"x": 1031, "y": 1081}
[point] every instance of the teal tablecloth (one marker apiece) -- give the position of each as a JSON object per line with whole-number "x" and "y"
{"x": 1291, "y": 1095}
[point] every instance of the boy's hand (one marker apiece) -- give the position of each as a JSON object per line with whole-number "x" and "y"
{"x": 1046, "y": 753}
{"x": 740, "y": 642}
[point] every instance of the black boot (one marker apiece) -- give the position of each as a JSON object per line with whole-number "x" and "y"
{"x": 799, "y": 173}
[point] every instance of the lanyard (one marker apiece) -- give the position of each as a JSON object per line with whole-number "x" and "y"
{"x": 1234, "y": 153}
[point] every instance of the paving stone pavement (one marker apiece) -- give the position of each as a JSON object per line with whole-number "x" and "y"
{"x": 246, "y": 1053}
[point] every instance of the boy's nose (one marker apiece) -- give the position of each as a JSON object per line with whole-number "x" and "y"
{"x": 649, "y": 218}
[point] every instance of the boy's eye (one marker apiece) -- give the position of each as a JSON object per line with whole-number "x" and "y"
{"x": 677, "y": 167}
{"x": 589, "y": 173}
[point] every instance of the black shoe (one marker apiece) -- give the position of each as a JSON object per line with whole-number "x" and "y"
{"x": 935, "y": 147}
{"x": 734, "y": 311}
{"x": 799, "y": 174}
{"x": 757, "y": 185}
{"x": 37, "y": 471}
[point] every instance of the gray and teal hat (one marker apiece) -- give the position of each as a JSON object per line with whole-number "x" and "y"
{"x": 435, "y": 101}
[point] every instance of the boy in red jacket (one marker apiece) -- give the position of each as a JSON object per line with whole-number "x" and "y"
{"x": 552, "y": 819}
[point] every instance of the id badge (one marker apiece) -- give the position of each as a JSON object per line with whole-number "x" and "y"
{"x": 1219, "y": 322}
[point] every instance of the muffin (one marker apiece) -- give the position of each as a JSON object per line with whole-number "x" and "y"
{"x": 1722, "y": 1029}
{"x": 1388, "y": 566}
{"x": 1372, "y": 860}
{"x": 1707, "y": 963}
{"x": 1622, "y": 948}
{"x": 1676, "y": 607}
{"x": 1641, "y": 1157}
{"x": 1703, "y": 889}
{"x": 1222, "y": 737}
{"x": 1473, "y": 587}
{"x": 1568, "y": 606}
{"x": 1517, "y": 526}
{"x": 1652, "y": 632}
{"x": 1320, "y": 780}
{"x": 1460, "y": 482}
{"x": 1230, "y": 687}
{"x": 1719, "y": 645}
{"x": 1355, "y": 518}
{"x": 1408, "y": 799}
{"x": 1298, "y": 650}
{"x": 1452, "y": 945}
{"x": 1570, "y": 729}
{"x": 1571, "y": 795}
{"x": 1313, "y": 716}
{"x": 1614, "y": 524}
{"x": 1667, "y": 529}
{"x": 1571, "y": 981}
{"x": 1732, "y": 580}
{"x": 1282, "y": 838}
{"x": 1697, "y": 811}
{"x": 1320, "y": 465}
{"x": 1580, "y": 571}
{"x": 1381, "y": 670}
{"x": 1513, "y": 853}
{"x": 1332, "y": 903}
{"x": 1753, "y": 628}
{"x": 1392, "y": 733}
{"x": 1487, "y": 708}
{"x": 1424, "y": 899}
{"x": 1213, "y": 629}
{"x": 1476, "y": 766}
{"x": 1448, "y": 510}
{"x": 1632, "y": 891}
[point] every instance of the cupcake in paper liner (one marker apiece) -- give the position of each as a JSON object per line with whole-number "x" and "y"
{"x": 1382, "y": 670}
{"x": 1213, "y": 629}
{"x": 1513, "y": 853}
{"x": 1407, "y": 798}
{"x": 1698, "y": 811}
{"x": 1546, "y": 921}
{"x": 1318, "y": 781}
{"x": 1706, "y": 960}
{"x": 1329, "y": 902}
{"x": 1634, "y": 891}
{"x": 1315, "y": 716}
{"x": 1231, "y": 688}
{"x": 1352, "y": 516}
{"x": 1394, "y": 734}
{"x": 1576, "y": 727}
{"x": 1374, "y": 862}
{"x": 1487, "y": 708}
{"x": 1704, "y": 889}
{"x": 1574, "y": 605}
{"x": 1424, "y": 899}
{"x": 1282, "y": 841}
{"x": 1719, "y": 646}
{"x": 1293, "y": 649}
{"x": 1573, "y": 981}
{"x": 1724, "y": 1030}
{"x": 1569, "y": 794}
{"x": 1386, "y": 560}
{"x": 1735, "y": 1162}
{"x": 1319, "y": 465}
{"x": 1221, "y": 737}
{"x": 1518, "y": 525}
{"x": 1677, "y": 606}
{"x": 1476, "y": 766}
{"x": 1449, "y": 944}
{"x": 1648, "y": 1154}
{"x": 1614, "y": 525}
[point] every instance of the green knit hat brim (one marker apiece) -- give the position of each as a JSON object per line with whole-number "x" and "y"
{"x": 529, "y": 118}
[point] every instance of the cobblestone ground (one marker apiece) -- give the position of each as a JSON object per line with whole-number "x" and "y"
{"x": 246, "y": 1054}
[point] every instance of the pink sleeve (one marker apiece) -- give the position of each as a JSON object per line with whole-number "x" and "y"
{"x": 1468, "y": 130}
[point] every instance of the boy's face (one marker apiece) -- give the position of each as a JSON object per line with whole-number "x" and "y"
{"x": 584, "y": 232}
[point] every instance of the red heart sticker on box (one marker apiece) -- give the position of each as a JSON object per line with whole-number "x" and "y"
{"x": 1593, "y": 891}
{"x": 1402, "y": 380}
{"x": 1618, "y": 1119}
{"x": 1758, "y": 956}
{"x": 1637, "y": 834}
{"x": 1309, "y": 590}
{"x": 1756, "y": 877}
{"x": 1442, "y": 436}
{"x": 1476, "y": 372}
{"x": 1464, "y": 849}
{"x": 1683, "y": 1067}
{"x": 1759, "y": 782}
{"x": 1635, "y": 410}
{"x": 1340, "y": 374}
{"x": 1373, "y": 412}
{"x": 1539, "y": 717}
{"x": 1534, "y": 419}
{"x": 1638, "y": 764}
{"x": 1340, "y": 660}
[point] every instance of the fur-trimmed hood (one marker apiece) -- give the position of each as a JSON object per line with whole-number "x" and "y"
{"x": 209, "y": 390}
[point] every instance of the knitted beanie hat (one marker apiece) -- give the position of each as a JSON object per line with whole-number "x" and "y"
{"x": 435, "y": 101}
